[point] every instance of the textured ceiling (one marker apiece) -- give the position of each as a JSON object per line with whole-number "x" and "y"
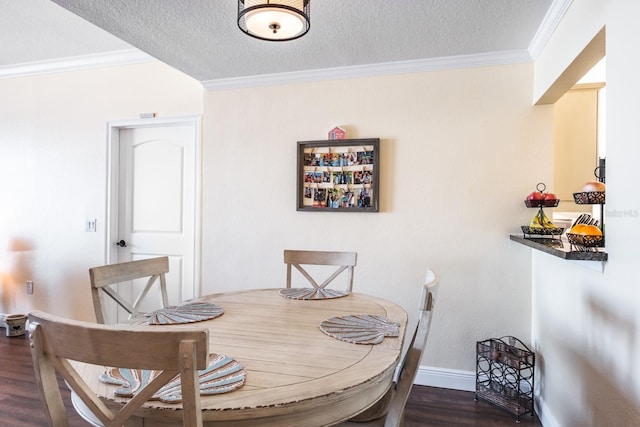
{"x": 201, "y": 37}
{"x": 40, "y": 30}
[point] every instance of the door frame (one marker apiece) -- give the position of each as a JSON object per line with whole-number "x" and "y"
{"x": 113, "y": 166}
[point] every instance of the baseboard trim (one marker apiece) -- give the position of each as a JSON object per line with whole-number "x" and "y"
{"x": 446, "y": 378}
{"x": 544, "y": 414}
{"x": 466, "y": 381}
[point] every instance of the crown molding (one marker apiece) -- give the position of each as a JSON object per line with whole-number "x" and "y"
{"x": 549, "y": 24}
{"x": 75, "y": 63}
{"x": 371, "y": 70}
{"x": 134, "y": 56}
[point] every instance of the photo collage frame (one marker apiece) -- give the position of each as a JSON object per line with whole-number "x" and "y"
{"x": 338, "y": 175}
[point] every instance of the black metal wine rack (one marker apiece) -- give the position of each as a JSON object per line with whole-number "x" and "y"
{"x": 505, "y": 374}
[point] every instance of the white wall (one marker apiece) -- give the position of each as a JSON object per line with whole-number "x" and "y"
{"x": 565, "y": 43}
{"x": 460, "y": 151}
{"x": 53, "y": 148}
{"x": 586, "y": 324}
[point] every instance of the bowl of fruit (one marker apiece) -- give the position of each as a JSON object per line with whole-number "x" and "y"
{"x": 593, "y": 193}
{"x": 541, "y": 225}
{"x": 585, "y": 233}
{"x": 540, "y": 197}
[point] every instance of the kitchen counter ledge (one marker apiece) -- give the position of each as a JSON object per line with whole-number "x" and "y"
{"x": 560, "y": 248}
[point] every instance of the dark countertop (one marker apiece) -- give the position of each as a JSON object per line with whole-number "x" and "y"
{"x": 560, "y": 248}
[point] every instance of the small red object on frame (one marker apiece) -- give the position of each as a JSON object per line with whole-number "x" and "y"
{"x": 337, "y": 133}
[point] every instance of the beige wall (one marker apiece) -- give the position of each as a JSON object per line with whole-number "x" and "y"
{"x": 459, "y": 154}
{"x": 586, "y": 324}
{"x": 575, "y": 144}
{"x": 53, "y": 147}
{"x": 460, "y": 151}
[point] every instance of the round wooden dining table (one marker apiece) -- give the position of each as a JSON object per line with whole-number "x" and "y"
{"x": 296, "y": 375}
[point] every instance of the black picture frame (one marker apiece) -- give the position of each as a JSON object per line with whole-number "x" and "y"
{"x": 338, "y": 175}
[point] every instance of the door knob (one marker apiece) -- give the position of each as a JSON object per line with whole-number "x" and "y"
{"x": 122, "y": 244}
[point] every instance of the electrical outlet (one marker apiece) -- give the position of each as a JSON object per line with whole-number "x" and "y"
{"x": 91, "y": 225}
{"x": 29, "y": 286}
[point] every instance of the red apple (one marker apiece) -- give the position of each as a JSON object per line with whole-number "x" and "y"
{"x": 535, "y": 195}
{"x": 550, "y": 199}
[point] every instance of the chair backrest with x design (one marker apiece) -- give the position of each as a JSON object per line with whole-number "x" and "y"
{"x": 105, "y": 278}
{"x": 172, "y": 350}
{"x": 345, "y": 261}
{"x": 389, "y": 410}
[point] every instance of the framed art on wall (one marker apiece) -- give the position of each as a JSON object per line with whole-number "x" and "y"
{"x": 338, "y": 175}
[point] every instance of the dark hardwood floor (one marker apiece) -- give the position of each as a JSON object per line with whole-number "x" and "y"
{"x": 427, "y": 407}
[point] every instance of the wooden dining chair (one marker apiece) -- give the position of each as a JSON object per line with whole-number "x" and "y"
{"x": 105, "y": 278}
{"x": 173, "y": 350}
{"x": 345, "y": 261}
{"x": 389, "y": 410}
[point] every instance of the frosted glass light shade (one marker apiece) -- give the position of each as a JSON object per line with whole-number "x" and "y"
{"x": 276, "y": 20}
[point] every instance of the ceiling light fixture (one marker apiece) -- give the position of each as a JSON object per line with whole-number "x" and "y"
{"x": 274, "y": 20}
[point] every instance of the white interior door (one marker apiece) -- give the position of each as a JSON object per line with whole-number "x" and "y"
{"x": 154, "y": 211}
